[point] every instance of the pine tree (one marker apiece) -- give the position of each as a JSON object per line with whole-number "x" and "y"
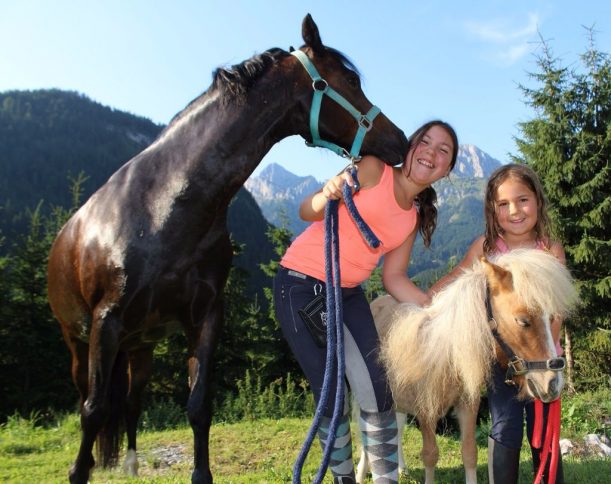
{"x": 568, "y": 144}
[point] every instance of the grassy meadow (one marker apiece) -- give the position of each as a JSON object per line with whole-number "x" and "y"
{"x": 259, "y": 451}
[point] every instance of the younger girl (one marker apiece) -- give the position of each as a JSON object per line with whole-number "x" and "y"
{"x": 516, "y": 217}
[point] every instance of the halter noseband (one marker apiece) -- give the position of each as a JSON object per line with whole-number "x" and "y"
{"x": 321, "y": 87}
{"x": 518, "y": 366}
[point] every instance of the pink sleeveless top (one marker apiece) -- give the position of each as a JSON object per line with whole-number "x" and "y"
{"x": 501, "y": 248}
{"x": 380, "y": 210}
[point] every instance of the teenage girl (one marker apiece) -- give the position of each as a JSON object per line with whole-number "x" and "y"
{"x": 516, "y": 217}
{"x": 396, "y": 203}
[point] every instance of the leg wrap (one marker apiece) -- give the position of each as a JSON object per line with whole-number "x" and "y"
{"x": 380, "y": 439}
{"x": 341, "y": 457}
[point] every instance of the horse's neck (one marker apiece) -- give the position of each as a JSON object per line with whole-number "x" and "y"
{"x": 224, "y": 142}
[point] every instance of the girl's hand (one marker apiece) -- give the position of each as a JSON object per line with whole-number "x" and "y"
{"x": 332, "y": 190}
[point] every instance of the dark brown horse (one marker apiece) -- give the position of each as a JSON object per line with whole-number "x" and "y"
{"x": 149, "y": 251}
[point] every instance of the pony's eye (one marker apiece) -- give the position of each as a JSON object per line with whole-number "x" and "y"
{"x": 524, "y": 322}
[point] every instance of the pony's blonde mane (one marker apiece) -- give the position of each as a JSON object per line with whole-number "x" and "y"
{"x": 431, "y": 353}
{"x": 540, "y": 281}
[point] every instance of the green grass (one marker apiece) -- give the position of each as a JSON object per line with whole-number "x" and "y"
{"x": 261, "y": 451}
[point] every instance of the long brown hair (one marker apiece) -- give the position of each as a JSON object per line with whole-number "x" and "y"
{"x": 427, "y": 199}
{"x": 526, "y": 176}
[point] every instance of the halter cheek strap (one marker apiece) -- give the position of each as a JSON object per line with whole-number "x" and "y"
{"x": 321, "y": 88}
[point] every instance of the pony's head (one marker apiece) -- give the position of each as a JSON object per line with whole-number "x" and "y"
{"x": 527, "y": 288}
{"x": 336, "y": 124}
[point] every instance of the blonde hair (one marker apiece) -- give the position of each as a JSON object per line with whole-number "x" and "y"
{"x": 525, "y": 175}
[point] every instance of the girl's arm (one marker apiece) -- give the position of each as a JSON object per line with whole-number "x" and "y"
{"x": 394, "y": 274}
{"x": 476, "y": 250}
{"x": 313, "y": 207}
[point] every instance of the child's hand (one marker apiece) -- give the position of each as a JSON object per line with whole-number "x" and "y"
{"x": 333, "y": 188}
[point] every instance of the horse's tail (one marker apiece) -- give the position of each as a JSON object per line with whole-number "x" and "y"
{"x": 110, "y": 437}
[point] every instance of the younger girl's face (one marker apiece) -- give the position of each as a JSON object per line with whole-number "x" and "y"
{"x": 516, "y": 208}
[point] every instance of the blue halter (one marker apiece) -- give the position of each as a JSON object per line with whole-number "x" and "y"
{"x": 335, "y": 325}
{"x": 321, "y": 88}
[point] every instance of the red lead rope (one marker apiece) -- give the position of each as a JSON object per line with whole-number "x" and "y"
{"x": 551, "y": 444}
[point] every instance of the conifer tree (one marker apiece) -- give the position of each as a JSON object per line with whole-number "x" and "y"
{"x": 568, "y": 144}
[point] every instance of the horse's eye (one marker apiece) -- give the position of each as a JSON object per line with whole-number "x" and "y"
{"x": 353, "y": 80}
{"x": 524, "y": 322}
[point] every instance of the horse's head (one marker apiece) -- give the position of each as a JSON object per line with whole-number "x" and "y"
{"x": 522, "y": 304}
{"x": 337, "y": 124}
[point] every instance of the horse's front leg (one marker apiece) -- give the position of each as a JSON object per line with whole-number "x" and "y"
{"x": 467, "y": 419}
{"x": 199, "y": 408}
{"x": 430, "y": 451}
{"x": 140, "y": 367}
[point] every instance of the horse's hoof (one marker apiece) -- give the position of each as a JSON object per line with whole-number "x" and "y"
{"x": 76, "y": 476}
{"x": 201, "y": 477}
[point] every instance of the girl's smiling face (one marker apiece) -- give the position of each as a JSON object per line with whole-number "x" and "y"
{"x": 516, "y": 209}
{"x": 429, "y": 160}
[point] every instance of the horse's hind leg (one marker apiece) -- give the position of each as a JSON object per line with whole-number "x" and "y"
{"x": 94, "y": 410}
{"x": 430, "y": 451}
{"x": 467, "y": 419}
{"x": 140, "y": 367}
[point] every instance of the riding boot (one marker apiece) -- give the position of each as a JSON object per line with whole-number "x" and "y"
{"x": 380, "y": 442}
{"x": 503, "y": 463}
{"x": 341, "y": 464}
{"x": 537, "y": 461}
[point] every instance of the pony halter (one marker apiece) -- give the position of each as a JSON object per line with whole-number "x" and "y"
{"x": 321, "y": 87}
{"x": 517, "y": 366}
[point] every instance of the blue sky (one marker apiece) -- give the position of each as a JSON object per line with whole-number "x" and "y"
{"x": 458, "y": 61}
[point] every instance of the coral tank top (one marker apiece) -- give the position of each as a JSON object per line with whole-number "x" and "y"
{"x": 380, "y": 210}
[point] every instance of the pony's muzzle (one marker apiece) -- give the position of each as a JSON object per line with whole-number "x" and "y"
{"x": 545, "y": 385}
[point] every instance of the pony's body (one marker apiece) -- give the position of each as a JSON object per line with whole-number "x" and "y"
{"x": 438, "y": 357}
{"x": 149, "y": 252}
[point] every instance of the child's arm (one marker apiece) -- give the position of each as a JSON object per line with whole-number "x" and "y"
{"x": 474, "y": 253}
{"x": 394, "y": 274}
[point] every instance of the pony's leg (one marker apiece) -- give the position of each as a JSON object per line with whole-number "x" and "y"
{"x": 430, "y": 451}
{"x": 467, "y": 420}
{"x": 401, "y": 420}
{"x": 363, "y": 466}
{"x": 103, "y": 344}
{"x": 140, "y": 367}
{"x": 199, "y": 407}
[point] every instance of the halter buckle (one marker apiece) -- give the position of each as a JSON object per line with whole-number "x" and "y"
{"x": 518, "y": 366}
{"x": 365, "y": 122}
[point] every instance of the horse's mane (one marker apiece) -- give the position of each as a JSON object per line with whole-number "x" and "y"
{"x": 447, "y": 347}
{"x": 232, "y": 83}
{"x": 235, "y": 81}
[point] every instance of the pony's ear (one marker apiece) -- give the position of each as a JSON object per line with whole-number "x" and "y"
{"x": 311, "y": 37}
{"x": 497, "y": 276}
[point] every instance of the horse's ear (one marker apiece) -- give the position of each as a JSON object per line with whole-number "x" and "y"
{"x": 311, "y": 37}
{"x": 497, "y": 276}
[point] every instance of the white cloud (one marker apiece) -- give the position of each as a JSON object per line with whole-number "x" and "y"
{"x": 505, "y": 43}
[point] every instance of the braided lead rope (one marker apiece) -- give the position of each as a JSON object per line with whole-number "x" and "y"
{"x": 335, "y": 329}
